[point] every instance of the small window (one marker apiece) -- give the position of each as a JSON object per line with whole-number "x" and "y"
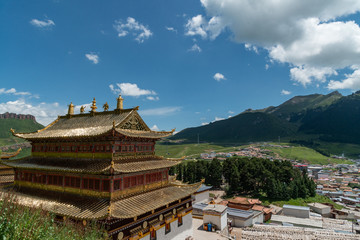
{"x": 153, "y": 234}
{"x": 180, "y": 222}
{"x": 167, "y": 227}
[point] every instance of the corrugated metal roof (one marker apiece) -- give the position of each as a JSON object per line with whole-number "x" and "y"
{"x": 200, "y": 206}
{"x": 204, "y": 188}
{"x": 240, "y": 213}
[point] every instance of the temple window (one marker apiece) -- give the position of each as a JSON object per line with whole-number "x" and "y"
{"x": 91, "y": 184}
{"x": 140, "y": 180}
{"x": 152, "y": 234}
{"x": 167, "y": 227}
{"x": 105, "y": 185}
{"x": 117, "y": 184}
{"x": 72, "y": 182}
{"x": 55, "y": 180}
{"x": 126, "y": 182}
{"x": 180, "y": 222}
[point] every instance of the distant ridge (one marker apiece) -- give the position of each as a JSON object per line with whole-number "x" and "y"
{"x": 18, "y": 122}
{"x": 8, "y": 115}
{"x": 315, "y": 117}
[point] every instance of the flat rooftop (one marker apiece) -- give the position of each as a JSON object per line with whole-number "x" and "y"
{"x": 304, "y": 222}
{"x": 296, "y": 207}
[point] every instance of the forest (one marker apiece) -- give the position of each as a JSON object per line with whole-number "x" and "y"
{"x": 276, "y": 180}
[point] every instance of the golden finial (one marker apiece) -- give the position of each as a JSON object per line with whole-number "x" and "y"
{"x": 82, "y": 109}
{"x": 106, "y": 106}
{"x": 119, "y": 104}
{"x": 93, "y": 106}
{"x": 71, "y": 109}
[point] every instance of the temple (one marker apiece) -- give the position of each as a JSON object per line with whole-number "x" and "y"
{"x": 102, "y": 166}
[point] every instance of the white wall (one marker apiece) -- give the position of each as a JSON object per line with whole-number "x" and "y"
{"x": 176, "y": 233}
{"x": 259, "y": 218}
{"x": 219, "y": 221}
{"x": 203, "y": 196}
{"x": 296, "y": 213}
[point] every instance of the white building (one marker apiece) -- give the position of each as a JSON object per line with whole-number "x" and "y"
{"x": 322, "y": 209}
{"x": 202, "y": 195}
{"x": 244, "y": 218}
{"x": 173, "y": 229}
{"x": 215, "y": 214}
{"x": 296, "y": 211}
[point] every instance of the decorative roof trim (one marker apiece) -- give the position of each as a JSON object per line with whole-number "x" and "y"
{"x": 10, "y": 155}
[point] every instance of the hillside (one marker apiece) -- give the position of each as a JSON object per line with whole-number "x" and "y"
{"x": 20, "y": 125}
{"x": 245, "y": 127}
{"x": 315, "y": 120}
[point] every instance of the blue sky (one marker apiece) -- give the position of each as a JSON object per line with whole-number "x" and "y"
{"x": 185, "y": 63}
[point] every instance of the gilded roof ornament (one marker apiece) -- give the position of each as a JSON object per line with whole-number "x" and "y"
{"x": 71, "y": 109}
{"x": 106, "y": 106}
{"x": 119, "y": 104}
{"x": 82, "y": 109}
{"x": 93, "y": 106}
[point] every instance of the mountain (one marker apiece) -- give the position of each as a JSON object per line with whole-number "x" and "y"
{"x": 21, "y": 123}
{"x": 331, "y": 117}
{"x": 245, "y": 127}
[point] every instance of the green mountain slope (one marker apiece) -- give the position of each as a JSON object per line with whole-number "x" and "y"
{"x": 339, "y": 122}
{"x": 20, "y": 125}
{"x": 316, "y": 120}
{"x": 245, "y": 127}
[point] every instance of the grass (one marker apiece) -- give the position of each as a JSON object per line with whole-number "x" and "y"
{"x": 190, "y": 150}
{"x": 301, "y": 201}
{"x": 18, "y": 222}
{"x": 305, "y": 154}
{"x": 299, "y": 153}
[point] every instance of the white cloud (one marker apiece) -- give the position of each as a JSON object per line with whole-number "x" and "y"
{"x": 251, "y": 48}
{"x": 306, "y": 75}
{"x": 285, "y": 92}
{"x": 352, "y": 81}
{"x": 267, "y": 66}
{"x": 204, "y": 123}
{"x": 152, "y": 98}
{"x": 218, "y": 77}
{"x": 311, "y": 37}
{"x": 13, "y": 92}
{"x": 138, "y": 30}
{"x": 132, "y": 89}
{"x": 92, "y": 57}
{"x": 195, "y": 48}
{"x": 44, "y": 112}
{"x": 218, "y": 119}
{"x": 163, "y": 111}
{"x": 155, "y": 128}
{"x": 171, "y": 29}
{"x": 198, "y": 25}
{"x": 231, "y": 112}
{"x": 42, "y": 24}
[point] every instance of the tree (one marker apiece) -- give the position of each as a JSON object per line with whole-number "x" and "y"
{"x": 215, "y": 173}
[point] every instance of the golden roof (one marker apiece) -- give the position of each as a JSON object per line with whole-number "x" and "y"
{"x": 145, "y": 202}
{"x": 61, "y": 165}
{"x": 93, "y": 208}
{"x": 124, "y": 121}
{"x": 143, "y": 165}
{"x": 90, "y": 166}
